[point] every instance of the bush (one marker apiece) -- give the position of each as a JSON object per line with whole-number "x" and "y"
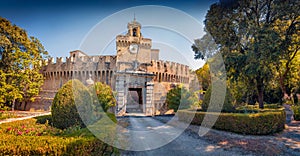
{"x": 255, "y": 108}
{"x": 296, "y": 110}
{"x": 44, "y": 119}
{"x": 46, "y": 140}
{"x": 255, "y": 124}
{"x": 227, "y": 106}
{"x": 180, "y": 98}
{"x": 103, "y": 97}
{"x": 64, "y": 111}
{"x": 112, "y": 117}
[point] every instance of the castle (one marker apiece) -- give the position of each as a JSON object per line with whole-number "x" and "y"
{"x": 140, "y": 80}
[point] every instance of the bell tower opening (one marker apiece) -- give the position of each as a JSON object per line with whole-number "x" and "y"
{"x": 134, "y": 32}
{"x": 134, "y": 28}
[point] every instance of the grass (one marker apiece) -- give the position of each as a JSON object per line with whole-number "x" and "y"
{"x": 6, "y": 115}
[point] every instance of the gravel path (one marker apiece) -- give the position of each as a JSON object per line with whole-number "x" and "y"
{"x": 187, "y": 143}
{"x": 217, "y": 142}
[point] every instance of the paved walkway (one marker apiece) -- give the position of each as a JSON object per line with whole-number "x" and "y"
{"x": 24, "y": 115}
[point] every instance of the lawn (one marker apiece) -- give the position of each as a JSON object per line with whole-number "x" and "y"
{"x": 6, "y": 115}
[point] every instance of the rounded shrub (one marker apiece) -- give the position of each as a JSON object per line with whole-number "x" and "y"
{"x": 180, "y": 98}
{"x": 72, "y": 98}
{"x": 227, "y": 106}
{"x": 103, "y": 98}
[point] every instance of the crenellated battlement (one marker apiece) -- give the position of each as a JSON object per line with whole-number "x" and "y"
{"x": 95, "y": 59}
{"x": 169, "y": 67}
{"x": 167, "y": 71}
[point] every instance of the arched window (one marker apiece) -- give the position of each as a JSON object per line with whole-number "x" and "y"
{"x": 134, "y": 32}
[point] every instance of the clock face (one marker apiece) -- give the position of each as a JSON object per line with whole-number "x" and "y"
{"x": 133, "y": 48}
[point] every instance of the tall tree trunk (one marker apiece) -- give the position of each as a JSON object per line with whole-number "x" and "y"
{"x": 13, "y": 105}
{"x": 260, "y": 92}
{"x": 283, "y": 89}
{"x": 25, "y": 105}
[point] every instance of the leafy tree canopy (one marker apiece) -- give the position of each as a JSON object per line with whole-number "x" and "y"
{"x": 180, "y": 98}
{"x": 246, "y": 35}
{"x": 20, "y": 62}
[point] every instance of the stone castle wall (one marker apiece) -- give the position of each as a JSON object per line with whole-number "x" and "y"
{"x": 102, "y": 69}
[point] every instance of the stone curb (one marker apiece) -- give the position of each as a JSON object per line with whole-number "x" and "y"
{"x": 23, "y": 118}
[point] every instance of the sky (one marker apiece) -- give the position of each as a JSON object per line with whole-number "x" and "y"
{"x": 64, "y": 26}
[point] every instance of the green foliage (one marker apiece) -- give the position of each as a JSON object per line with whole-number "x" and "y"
{"x": 205, "y": 47}
{"x": 227, "y": 106}
{"x": 27, "y": 137}
{"x": 242, "y": 92}
{"x": 20, "y": 63}
{"x": 203, "y": 76}
{"x": 180, "y": 98}
{"x": 103, "y": 97}
{"x": 112, "y": 117}
{"x": 256, "y": 107}
{"x": 296, "y": 110}
{"x": 262, "y": 123}
{"x": 71, "y": 105}
{"x": 44, "y": 119}
{"x": 7, "y": 115}
{"x": 255, "y": 50}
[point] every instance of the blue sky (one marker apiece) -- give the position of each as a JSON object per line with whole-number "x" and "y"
{"x": 61, "y": 26}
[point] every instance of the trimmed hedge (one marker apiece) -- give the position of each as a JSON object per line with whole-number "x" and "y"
{"x": 43, "y": 139}
{"x": 44, "y": 119}
{"x": 266, "y": 107}
{"x": 256, "y": 124}
{"x": 71, "y": 105}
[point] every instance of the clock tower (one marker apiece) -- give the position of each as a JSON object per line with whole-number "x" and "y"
{"x": 132, "y": 49}
{"x": 134, "y": 84}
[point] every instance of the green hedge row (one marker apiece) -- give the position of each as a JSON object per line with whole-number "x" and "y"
{"x": 256, "y": 124}
{"x": 49, "y": 145}
{"x": 29, "y": 137}
{"x": 266, "y": 106}
{"x": 296, "y": 110}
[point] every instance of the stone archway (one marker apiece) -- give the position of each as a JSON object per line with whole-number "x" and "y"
{"x": 134, "y": 100}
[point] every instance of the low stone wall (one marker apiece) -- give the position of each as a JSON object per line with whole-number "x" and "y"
{"x": 42, "y": 102}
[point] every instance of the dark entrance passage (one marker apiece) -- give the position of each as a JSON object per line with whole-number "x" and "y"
{"x": 136, "y": 95}
{"x": 134, "y": 100}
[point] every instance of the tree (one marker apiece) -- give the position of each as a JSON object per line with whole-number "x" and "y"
{"x": 203, "y": 76}
{"x": 20, "y": 63}
{"x": 205, "y": 47}
{"x": 287, "y": 68}
{"x": 180, "y": 98}
{"x": 244, "y": 32}
{"x": 226, "y": 107}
